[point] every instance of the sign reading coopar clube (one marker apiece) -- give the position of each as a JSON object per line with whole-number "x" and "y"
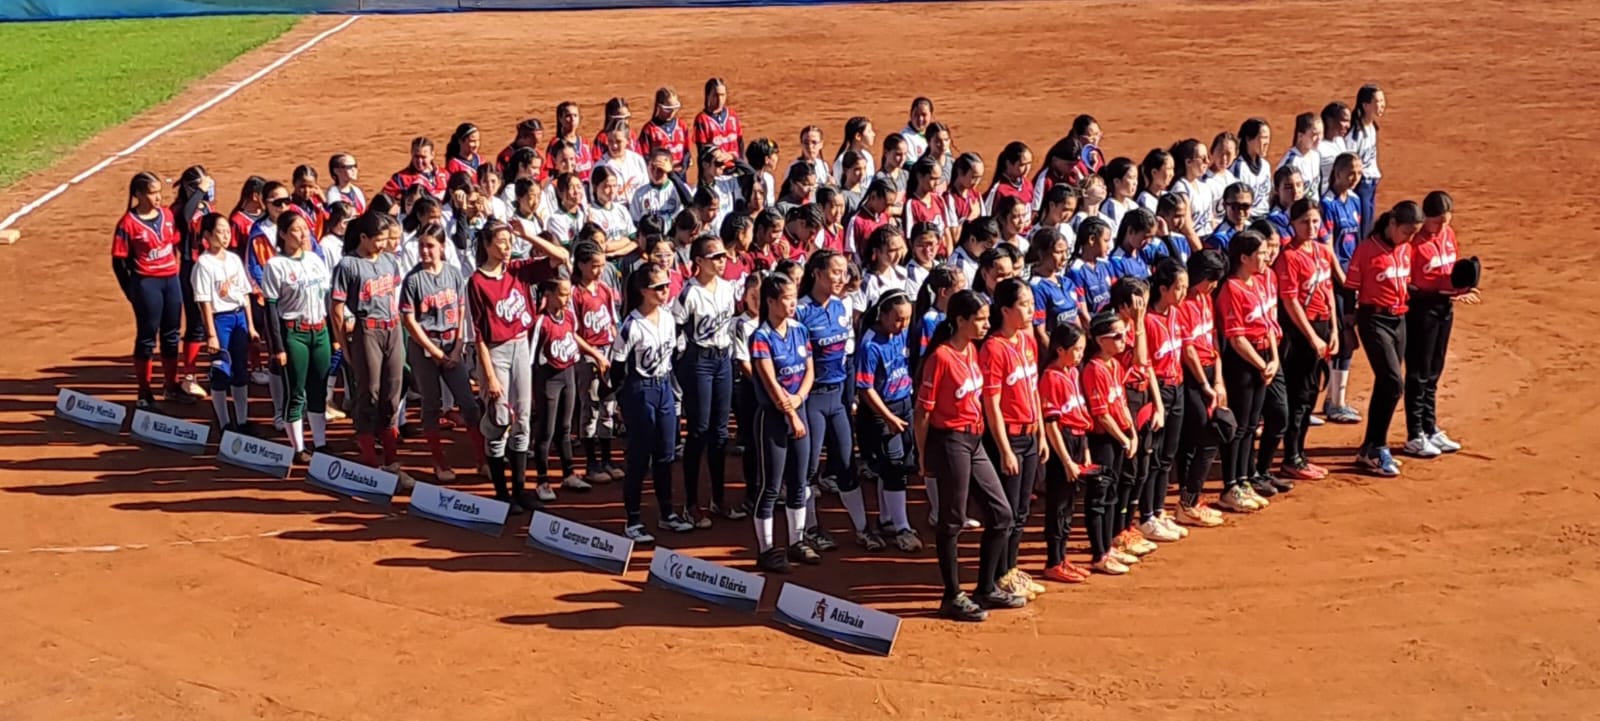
{"x": 574, "y": 541}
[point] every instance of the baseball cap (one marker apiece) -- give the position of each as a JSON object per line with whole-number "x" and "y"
{"x": 1223, "y": 425}
{"x": 1466, "y": 272}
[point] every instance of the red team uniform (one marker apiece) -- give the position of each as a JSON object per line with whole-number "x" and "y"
{"x": 669, "y": 135}
{"x": 724, "y": 134}
{"x": 433, "y": 180}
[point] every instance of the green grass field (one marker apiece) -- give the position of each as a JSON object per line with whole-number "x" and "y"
{"x": 66, "y": 81}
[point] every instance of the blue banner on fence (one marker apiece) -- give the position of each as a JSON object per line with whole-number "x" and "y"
{"x": 13, "y": 10}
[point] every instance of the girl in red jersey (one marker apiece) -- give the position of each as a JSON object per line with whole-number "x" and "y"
{"x": 1249, "y": 361}
{"x": 1305, "y": 289}
{"x": 924, "y": 204}
{"x": 1011, "y": 175}
{"x": 1066, "y": 424}
{"x": 962, "y": 197}
{"x": 1130, "y": 298}
{"x": 461, "y": 154}
{"x": 664, "y": 131}
{"x": 858, "y": 136}
{"x": 502, "y": 314}
{"x": 1380, "y": 274}
{"x": 247, "y": 211}
{"x": 421, "y": 172}
{"x": 556, "y": 346}
{"x": 144, "y": 256}
{"x": 567, "y": 121}
{"x": 1169, "y": 283}
{"x": 1275, "y": 411}
{"x": 594, "y": 306}
{"x": 948, "y": 427}
{"x": 1203, "y": 389}
{"x": 1015, "y": 440}
{"x": 869, "y": 216}
{"x": 307, "y": 196}
{"x": 616, "y": 110}
{"x": 1112, "y": 443}
{"x": 1428, "y": 323}
{"x": 717, "y": 125}
{"x": 192, "y": 204}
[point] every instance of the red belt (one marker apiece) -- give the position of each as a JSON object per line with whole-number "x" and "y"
{"x": 304, "y": 327}
{"x": 972, "y": 430}
{"x": 1022, "y": 429}
{"x": 377, "y": 324}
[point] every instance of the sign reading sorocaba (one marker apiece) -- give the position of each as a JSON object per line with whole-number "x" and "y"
{"x": 169, "y": 432}
{"x": 89, "y": 411}
{"x": 707, "y": 581}
{"x": 574, "y": 541}
{"x": 838, "y": 619}
{"x": 348, "y": 478}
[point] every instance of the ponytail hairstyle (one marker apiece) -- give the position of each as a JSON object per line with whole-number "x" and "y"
{"x": 815, "y": 266}
{"x": 1152, "y": 163}
{"x": 1009, "y": 156}
{"x": 1279, "y": 177}
{"x": 457, "y": 140}
{"x": 1246, "y": 242}
{"x": 1208, "y": 266}
{"x": 798, "y": 173}
{"x": 582, "y": 253}
{"x": 1092, "y": 227}
{"x": 1162, "y": 277}
{"x": 301, "y": 174}
{"x": 1250, "y": 130}
{"x": 208, "y": 224}
{"x": 382, "y": 205}
{"x": 1405, "y": 212}
{"x": 286, "y": 221}
{"x": 1099, "y": 325}
{"x": 1182, "y": 152}
{"x": 1437, "y": 203}
{"x": 772, "y": 287}
{"x": 1125, "y": 290}
{"x": 1042, "y": 244}
{"x": 1068, "y": 149}
{"x": 188, "y": 186}
{"x": 760, "y": 151}
{"x": 963, "y": 305}
{"x": 431, "y": 230}
{"x": 1057, "y": 194}
{"x": 942, "y": 277}
{"x": 638, "y": 280}
{"x": 1006, "y": 294}
{"x": 339, "y": 212}
{"x": 853, "y": 128}
{"x": 1062, "y": 339}
{"x": 732, "y": 227}
{"x": 1003, "y": 206}
{"x": 877, "y": 241}
{"x": 874, "y": 312}
{"x": 921, "y": 172}
{"x": 141, "y": 183}
{"x": 370, "y": 225}
{"x": 598, "y": 177}
{"x": 982, "y": 229}
{"x": 1221, "y": 140}
{"x": 1301, "y": 207}
{"x": 964, "y": 165}
{"x": 1358, "y": 114}
{"x": 1116, "y": 170}
{"x": 1137, "y": 220}
{"x": 419, "y": 210}
{"x": 987, "y": 261}
{"x": 486, "y": 236}
{"x": 520, "y": 158}
{"x": 254, "y": 187}
{"x": 1344, "y": 163}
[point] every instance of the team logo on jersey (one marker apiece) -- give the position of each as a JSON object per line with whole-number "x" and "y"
{"x": 597, "y": 319}
{"x": 564, "y": 349}
{"x": 513, "y": 308}
{"x": 970, "y": 386}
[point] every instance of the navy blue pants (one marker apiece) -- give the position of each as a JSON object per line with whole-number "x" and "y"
{"x": 194, "y": 322}
{"x": 1367, "y": 191}
{"x": 744, "y": 402}
{"x": 652, "y": 436}
{"x": 782, "y": 460}
{"x": 707, "y": 382}
{"x": 828, "y": 425}
{"x": 890, "y": 455}
{"x": 158, "y": 314}
{"x": 233, "y": 342}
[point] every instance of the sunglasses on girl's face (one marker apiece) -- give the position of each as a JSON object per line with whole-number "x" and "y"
{"x": 351, "y": 166}
{"x": 1123, "y": 336}
{"x": 662, "y": 286}
{"x": 279, "y": 202}
{"x": 715, "y": 256}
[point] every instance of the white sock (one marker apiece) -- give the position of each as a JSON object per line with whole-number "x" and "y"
{"x": 275, "y": 386}
{"x": 884, "y": 517}
{"x": 763, "y": 534}
{"x": 932, "y": 487}
{"x": 400, "y": 415}
{"x": 297, "y": 435}
{"x": 219, "y": 405}
{"x": 797, "y": 523}
{"x": 241, "y": 405}
{"x": 855, "y": 505}
{"x": 1337, "y": 380}
{"x": 319, "y": 429}
{"x": 895, "y": 501}
{"x": 811, "y": 507}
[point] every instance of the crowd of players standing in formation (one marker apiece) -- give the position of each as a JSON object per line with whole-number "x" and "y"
{"x": 1098, "y": 327}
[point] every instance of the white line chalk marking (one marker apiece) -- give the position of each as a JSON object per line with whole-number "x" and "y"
{"x": 226, "y": 93}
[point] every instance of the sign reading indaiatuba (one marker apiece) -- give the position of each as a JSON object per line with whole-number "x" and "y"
{"x": 835, "y": 618}
{"x": 169, "y": 432}
{"x": 705, "y": 580}
{"x": 574, "y": 541}
{"x": 255, "y": 454}
{"x": 348, "y": 478}
{"x": 89, "y": 411}
{"x": 462, "y": 510}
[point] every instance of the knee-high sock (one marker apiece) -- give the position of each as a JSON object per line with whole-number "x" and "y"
{"x": 219, "y": 405}
{"x": 241, "y": 405}
{"x": 855, "y": 505}
{"x": 297, "y": 435}
{"x": 319, "y": 429}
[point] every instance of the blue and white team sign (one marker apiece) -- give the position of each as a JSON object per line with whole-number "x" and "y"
{"x": 169, "y": 432}
{"x": 462, "y": 510}
{"x": 574, "y": 541}
{"x": 833, "y": 617}
{"x": 89, "y": 411}
{"x": 255, "y": 454}
{"x": 705, "y": 580}
{"x": 348, "y": 478}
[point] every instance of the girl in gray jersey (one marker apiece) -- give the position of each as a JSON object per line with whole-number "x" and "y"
{"x": 433, "y": 306}
{"x": 367, "y": 283}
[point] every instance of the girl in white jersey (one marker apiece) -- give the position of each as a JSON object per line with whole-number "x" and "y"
{"x": 1121, "y": 177}
{"x": 1251, "y": 167}
{"x": 295, "y": 284}
{"x": 1363, "y": 141}
{"x": 858, "y": 136}
{"x": 1335, "y": 125}
{"x": 222, "y": 291}
{"x": 1190, "y": 158}
{"x": 1303, "y": 154}
{"x": 1155, "y": 175}
{"x": 342, "y": 168}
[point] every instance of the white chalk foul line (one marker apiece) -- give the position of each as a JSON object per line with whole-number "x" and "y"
{"x": 226, "y": 93}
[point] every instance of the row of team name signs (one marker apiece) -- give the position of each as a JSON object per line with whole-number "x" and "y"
{"x": 813, "y": 611}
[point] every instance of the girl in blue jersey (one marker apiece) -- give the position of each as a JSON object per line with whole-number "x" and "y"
{"x": 1090, "y": 269}
{"x": 1133, "y": 254}
{"x": 780, "y": 355}
{"x": 933, "y": 297}
{"x": 883, "y": 416}
{"x": 828, "y": 323}
{"x": 1287, "y": 187}
{"x": 1056, "y": 298}
{"x": 1341, "y": 212}
{"x": 744, "y": 388}
{"x": 1175, "y": 227}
